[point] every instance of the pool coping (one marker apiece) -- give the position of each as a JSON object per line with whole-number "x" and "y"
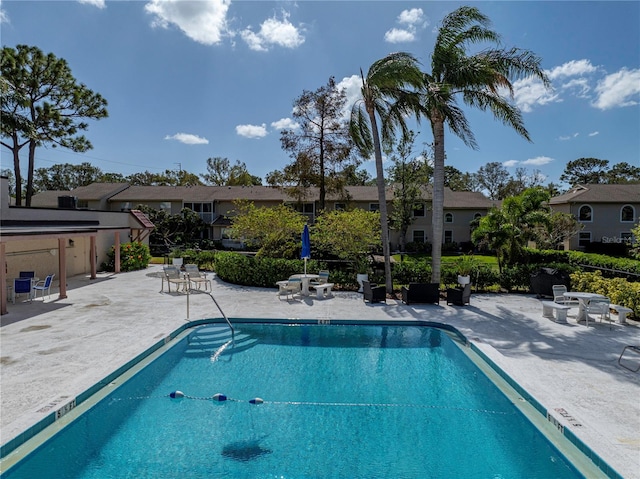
{"x": 62, "y": 409}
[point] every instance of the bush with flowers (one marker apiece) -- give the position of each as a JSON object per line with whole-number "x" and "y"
{"x": 133, "y": 256}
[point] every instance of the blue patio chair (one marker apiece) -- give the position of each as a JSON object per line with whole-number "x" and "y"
{"x": 27, "y": 274}
{"x": 21, "y": 286}
{"x": 44, "y": 285}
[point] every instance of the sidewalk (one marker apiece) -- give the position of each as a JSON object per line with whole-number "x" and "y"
{"x": 58, "y": 348}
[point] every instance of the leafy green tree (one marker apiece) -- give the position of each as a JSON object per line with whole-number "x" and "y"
{"x": 388, "y": 98}
{"x": 455, "y": 180}
{"x": 479, "y": 79}
{"x": 349, "y": 235}
{"x": 622, "y": 173}
{"x": 494, "y": 178}
{"x": 321, "y": 144}
{"x": 220, "y": 172}
{"x": 406, "y": 175}
{"x": 168, "y": 178}
{"x": 44, "y": 104}
{"x": 508, "y": 229}
{"x": 113, "y": 178}
{"x": 274, "y": 231}
{"x": 66, "y": 176}
{"x": 184, "y": 229}
{"x": 585, "y": 171}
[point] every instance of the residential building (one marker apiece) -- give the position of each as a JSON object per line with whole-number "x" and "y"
{"x": 607, "y": 212}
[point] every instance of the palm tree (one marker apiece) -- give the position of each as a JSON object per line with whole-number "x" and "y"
{"x": 389, "y": 92}
{"x": 481, "y": 79}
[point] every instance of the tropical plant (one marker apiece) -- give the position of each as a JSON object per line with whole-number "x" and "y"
{"x": 508, "y": 229}
{"x": 388, "y": 97}
{"x": 480, "y": 79}
{"x": 133, "y": 256}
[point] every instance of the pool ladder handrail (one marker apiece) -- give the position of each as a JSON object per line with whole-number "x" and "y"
{"x": 233, "y": 331}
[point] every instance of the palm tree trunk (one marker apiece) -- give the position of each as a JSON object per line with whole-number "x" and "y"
{"x": 382, "y": 204}
{"x": 437, "y": 214}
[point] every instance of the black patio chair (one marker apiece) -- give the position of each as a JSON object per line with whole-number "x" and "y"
{"x": 421, "y": 293}
{"x": 374, "y": 293}
{"x": 459, "y": 296}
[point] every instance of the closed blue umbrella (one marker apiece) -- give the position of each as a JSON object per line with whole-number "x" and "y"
{"x": 306, "y": 247}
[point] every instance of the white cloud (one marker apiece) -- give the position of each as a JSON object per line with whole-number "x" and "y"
{"x": 594, "y": 133}
{"x": 252, "y": 131}
{"x": 618, "y": 90}
{"x": 285, "y": 124}
{"x": 188, "y": 139}
{"x": 570, "y": 69}
{"x": 409, "y": 19}
{"x": 95, "y": 3}
{"x": 203, "y": 21}
{"x": 397, "y": 35}
{"x": 538, "y": 161}
{"x": 3, "y": 15}
{"x": 564, "y": 138}
{"x": 579, "y": 85}
{"x": 530, "y": 91}
{"x": 414, "y": 16}
{"x": 353, "y": 89}
{"x": 273, "y": 32}
{"x": 510, "y": 163}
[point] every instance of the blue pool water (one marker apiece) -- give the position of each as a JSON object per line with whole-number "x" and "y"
{"x": 339, "y": 402}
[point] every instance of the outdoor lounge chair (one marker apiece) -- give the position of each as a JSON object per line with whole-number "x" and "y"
{"x": 197, "y": 277}
{"x": 291, "y": 286}
{"x": 421, "y": 293}
{"x": 459, "y": 296}
{"x": 173, "y": 275}
{"x": 44, "y": 285}
{"x": 374, "y": 293}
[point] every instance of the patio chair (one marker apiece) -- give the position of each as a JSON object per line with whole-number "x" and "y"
{"x": 560, "y": 298}
{"x": 374, "y": 293}
{"x": 291, "y": 286}
{"x": 27, "y": 274}
{"x": 599, "y": 306}
{"x": 459, "y": 296}
{"x": 44, "y": 285}
{"x": 21, "y": 286}
{"x": 197, "y": 277}
{"x": 173, "y": 275}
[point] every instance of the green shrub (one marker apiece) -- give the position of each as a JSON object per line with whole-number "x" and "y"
{"x": 619, "y": 290}
{"x": 133, "y": 256}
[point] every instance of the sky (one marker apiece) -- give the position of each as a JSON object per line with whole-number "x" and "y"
{"x": 190, "y": 80}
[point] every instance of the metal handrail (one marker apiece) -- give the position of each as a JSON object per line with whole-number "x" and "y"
{"x": 233, "y": 331}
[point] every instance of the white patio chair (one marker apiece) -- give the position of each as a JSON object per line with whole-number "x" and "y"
{"x": 173, "y": 275}
{"x": 292, "y": 286}
{"x": 197, "y": 277}
{"x": 599, "y": 306}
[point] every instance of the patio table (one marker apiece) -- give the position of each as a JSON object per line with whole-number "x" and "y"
{"x": 305, "y": 279}
{"x": 583, "y": 301}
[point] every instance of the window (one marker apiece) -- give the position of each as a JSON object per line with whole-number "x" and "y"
{"x": 83, "y": 204}
{"x": 448, "y": 236}
{"x": 204, "y": 210}
{"x": 585, "y": 213}
{"x": 340, "y": 207}
{"x": 419, "y": 209}
{"x": 165, "y": 206}
{"x": 125, "y": 206}
{"x": 584, "y": 239}
{"x": 418, "y": 236}
{"x": 627, "y": 214}
{"x": 448, "y": 217}
{"x": 374, "y": 207}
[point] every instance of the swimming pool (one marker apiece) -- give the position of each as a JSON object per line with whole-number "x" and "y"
{"x": 337, "y": 401}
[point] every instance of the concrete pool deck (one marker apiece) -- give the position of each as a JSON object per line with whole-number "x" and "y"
{"x": 56, "y": 349}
